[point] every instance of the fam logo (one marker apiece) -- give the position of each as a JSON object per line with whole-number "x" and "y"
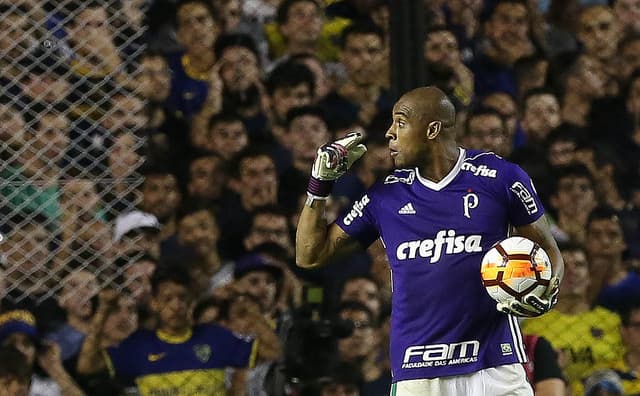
{"x": 481, "y": 170}
{"x": 356, "y": 210}
{"x": 418, "y": 356}
{"x": 525, "y": 197}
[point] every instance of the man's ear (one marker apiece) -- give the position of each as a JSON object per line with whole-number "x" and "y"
{"x": 433, "y": 129}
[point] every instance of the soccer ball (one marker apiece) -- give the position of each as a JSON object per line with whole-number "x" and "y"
{"x": 515, "y": 267}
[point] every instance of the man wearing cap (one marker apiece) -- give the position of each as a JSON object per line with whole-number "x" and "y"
{"x": 137, "y": 231}
{"x": 18, "y": 330}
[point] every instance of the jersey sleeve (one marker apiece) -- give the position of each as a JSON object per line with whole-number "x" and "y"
{"x": 358, "y": 221}
{"x": 238, "y": 351}
{"x": 524, "y": 205}
{"x": 545, "y": 361}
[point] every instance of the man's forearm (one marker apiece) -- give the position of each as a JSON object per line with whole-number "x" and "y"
{"x": 90, "y": 360}
{"x": 311, "y": 235}
{"x": 67, "y": 385}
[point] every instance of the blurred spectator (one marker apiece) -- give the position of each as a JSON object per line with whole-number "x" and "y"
{"x": 614, "y": 285}
{"x": 506, "y": 38}
{"x": 362, "y": 348}
{"x": 543, "y": 371}
{"x": 137, "y": 278}
{"x": 207, "y": 179}
{"x": 599, "y": 33}
{"x": 365, "y": 290}
{"x": 197, "y": 27}
{"x": 628, "y": 15}
{"x": 342, "y": 380}
{"x": 18, "y": 330}
{"x": 505, "y": 104}
{"x": 361, "y": 96}
{"x": 135, "y": 232}
{"x": 463, "y": 18}
{"x": 161, "y": 197}
{"x": 584, "y": 81}
{"x": 80, "y": 206}
{"x": 595, "y": 339}
{"x": 445, "y": 67}
{"x": 254, "y": 183}
{"x": 269, "y": 225}
{"x": 16, "y": 37}
{"x": 540, "y": 115}
{"x": 79, "y": 288}
{"x": 627, "y": 366}
{"x": 531, "y": 73}
{"x": 118, "y": 192}
{"x": 15, "y": 373}
{"x": 629, "y": 55}
{"x": 572, "y": 199}
{"x": 323, "y": 82}
{"x": 603, "y": 383}
{"x": 12, "y": 129}
{"x": 170, "y": 348}
{"x": 225, "y": 135}
{"x": 45, "y": 81}
{"x": 485, "y": 130}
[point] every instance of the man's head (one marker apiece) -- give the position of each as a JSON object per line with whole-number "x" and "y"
{"x": 306, "y": 131}
{"x": 269, "y": 224}
{"x": 540, "y": 114}
{"x": 154, "y": 77}
{"x": 629, "y": 54}
{"x": 227, "y": 135}
{"x": 320, "y": 75}
{"x": 362, "y": 52}
{"x": 238, "y": 57}
{"x": 48, "y": 136}
{"x": 46, "y": 80}
{"x": 18, "y": 330}
{"x": 531, "y": 72}
{"x": 124, "y": 154}
{"x": 573, "y": 191}
{"x": 198, "y": 229}
{"x": 196, "y": 25}
{"x": 127, "y": 112}
{"x": 172, "y": 298}
{"x": 506, "y": 106}
{"x": 599, "y": 32}
{"x": 135, "y": 232}
{"x": 255, "y": 178}
{"x": 12, "y": 126}
{"x": 423, "y": 119}
{"x": 291, "y": 84}
{"x": 15, "y": 373}
{"x": 630, "y": 330}
{"x": 160, "y": 193}
{"x": 561, "y": 144}
{"x": 485, "y": 130}
{"x": 88, "y": 22}
{"x": 587, "y": 77}
{"x": 441, "y": 48}
{"x": 79, "y": 199}
{"x": 628, "y": 14}
{"x": 364, "y": 339}
{"x": 575, "y": 283}
{"x": 16, "y": 27}
{"x": 207, "y": 178}
{"x": 259, "y": 276}
{"x": 605, "y": 237}
{"x": 507, "y": 26}
{"x": 26, "y": 249}
{"x": 364, "y": 290}
{"x": 137, "y": 277}
{"x": 79, "y": 287}
{"x": 122, "y": 321}
{"x": 300, "y": 22}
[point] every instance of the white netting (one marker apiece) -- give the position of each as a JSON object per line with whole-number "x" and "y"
{"x": 72, "y": 129}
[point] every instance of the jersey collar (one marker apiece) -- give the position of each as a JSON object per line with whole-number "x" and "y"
{"x": 174, "y": 339}
{"x": 448, "y": 178}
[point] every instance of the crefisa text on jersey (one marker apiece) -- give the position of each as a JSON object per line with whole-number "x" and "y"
{"x": 481, "y": 170}
{"x": 356, "y": 210}
{"x": 445, "y": 241}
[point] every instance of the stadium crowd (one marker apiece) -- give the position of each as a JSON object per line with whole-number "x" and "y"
{"x": 155, "y": 156}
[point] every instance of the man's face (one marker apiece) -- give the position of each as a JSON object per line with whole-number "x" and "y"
{"x": 377, "y": 160}
{"x": 258, "y": 182}
{"x": 138, "y": 280}
{"x": 504, "y": 105}
{"x": 364, "y": 291}
{"x": 441, "y": 48}
{"x": 562, "y": 152}
{"x": 306, "y": 134}
{"x": 50, "y": 140}
{"x": 127, "y": 114}
{"x": 262, "y": 285}
{"x": 154, "y": 79}
{"x": 363, "y": 339}
{"x": 508, "y": 27}
{"x": 322, "y": 81}
{"x": 79, "y": 198}
{"x": 78, "y": 290}
{"x": 200, "y": 231}
{"x": 140, "y": 240}
{"x": 269, "y": 228}
{"x": 605, "y": 238}
{"x": 407, "y": 136}
{"x": 599, "y": 32}
{"x": 630, "y": 57}
{"x": 11, "y": 126}
{"x": 22, "y": 343}
{"x": 28, "y": 253}
{"x": 628, "y": 14}
{"x": 574, "y": 195}
{"x": 576, "y": 274}
{"x": 228, "y": 138}
{"x": 304, "y": 23}
{"x": 633, "y": 100}
{"x": 196, "y": 29}
{"x": 172, "y": 303}
{"x": 591, "y": 77}
{"x": 487, "y": 132}
{"x": 239, "y": 68}
{"x": 123, "y": 320}
{"x": 47, "y": 87}
{"x": 631, "y": 333}
{"x": 541, "y": 116}
{"x": 90, "y": 24}
{"x": 206, "y": 179}
{"x": 123, "y": 157}
{"x": 286, "y": 98}
{"x": 362, "y": 58}
{"x": 160, "y": 195}
{"x": 15, "y": 35}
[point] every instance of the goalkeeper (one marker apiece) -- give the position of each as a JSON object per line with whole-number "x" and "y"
{"x": 436, "y": 215}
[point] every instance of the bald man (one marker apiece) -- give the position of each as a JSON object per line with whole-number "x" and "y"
{"x": 436, "y": 214}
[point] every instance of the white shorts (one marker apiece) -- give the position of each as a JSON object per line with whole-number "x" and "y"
{"x": 508, "y": 380}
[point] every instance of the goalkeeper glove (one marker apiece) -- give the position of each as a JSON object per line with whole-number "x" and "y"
{"x": 532, "y": 305}
{"x": 332, "y": 161}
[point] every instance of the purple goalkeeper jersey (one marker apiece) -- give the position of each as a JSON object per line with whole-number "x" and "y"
{"x": 443, "y": 322}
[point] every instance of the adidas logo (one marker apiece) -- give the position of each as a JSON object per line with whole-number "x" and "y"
{"x": 407, "y": 209}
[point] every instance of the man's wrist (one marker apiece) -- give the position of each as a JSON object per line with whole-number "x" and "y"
{"x": 319, "y": 189}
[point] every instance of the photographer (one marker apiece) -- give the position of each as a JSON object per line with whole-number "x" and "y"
{"x": 18, "y": 330}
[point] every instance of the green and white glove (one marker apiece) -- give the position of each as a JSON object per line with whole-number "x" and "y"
{"x": 532, "y": 305}
{"x": 332, "y": 161}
